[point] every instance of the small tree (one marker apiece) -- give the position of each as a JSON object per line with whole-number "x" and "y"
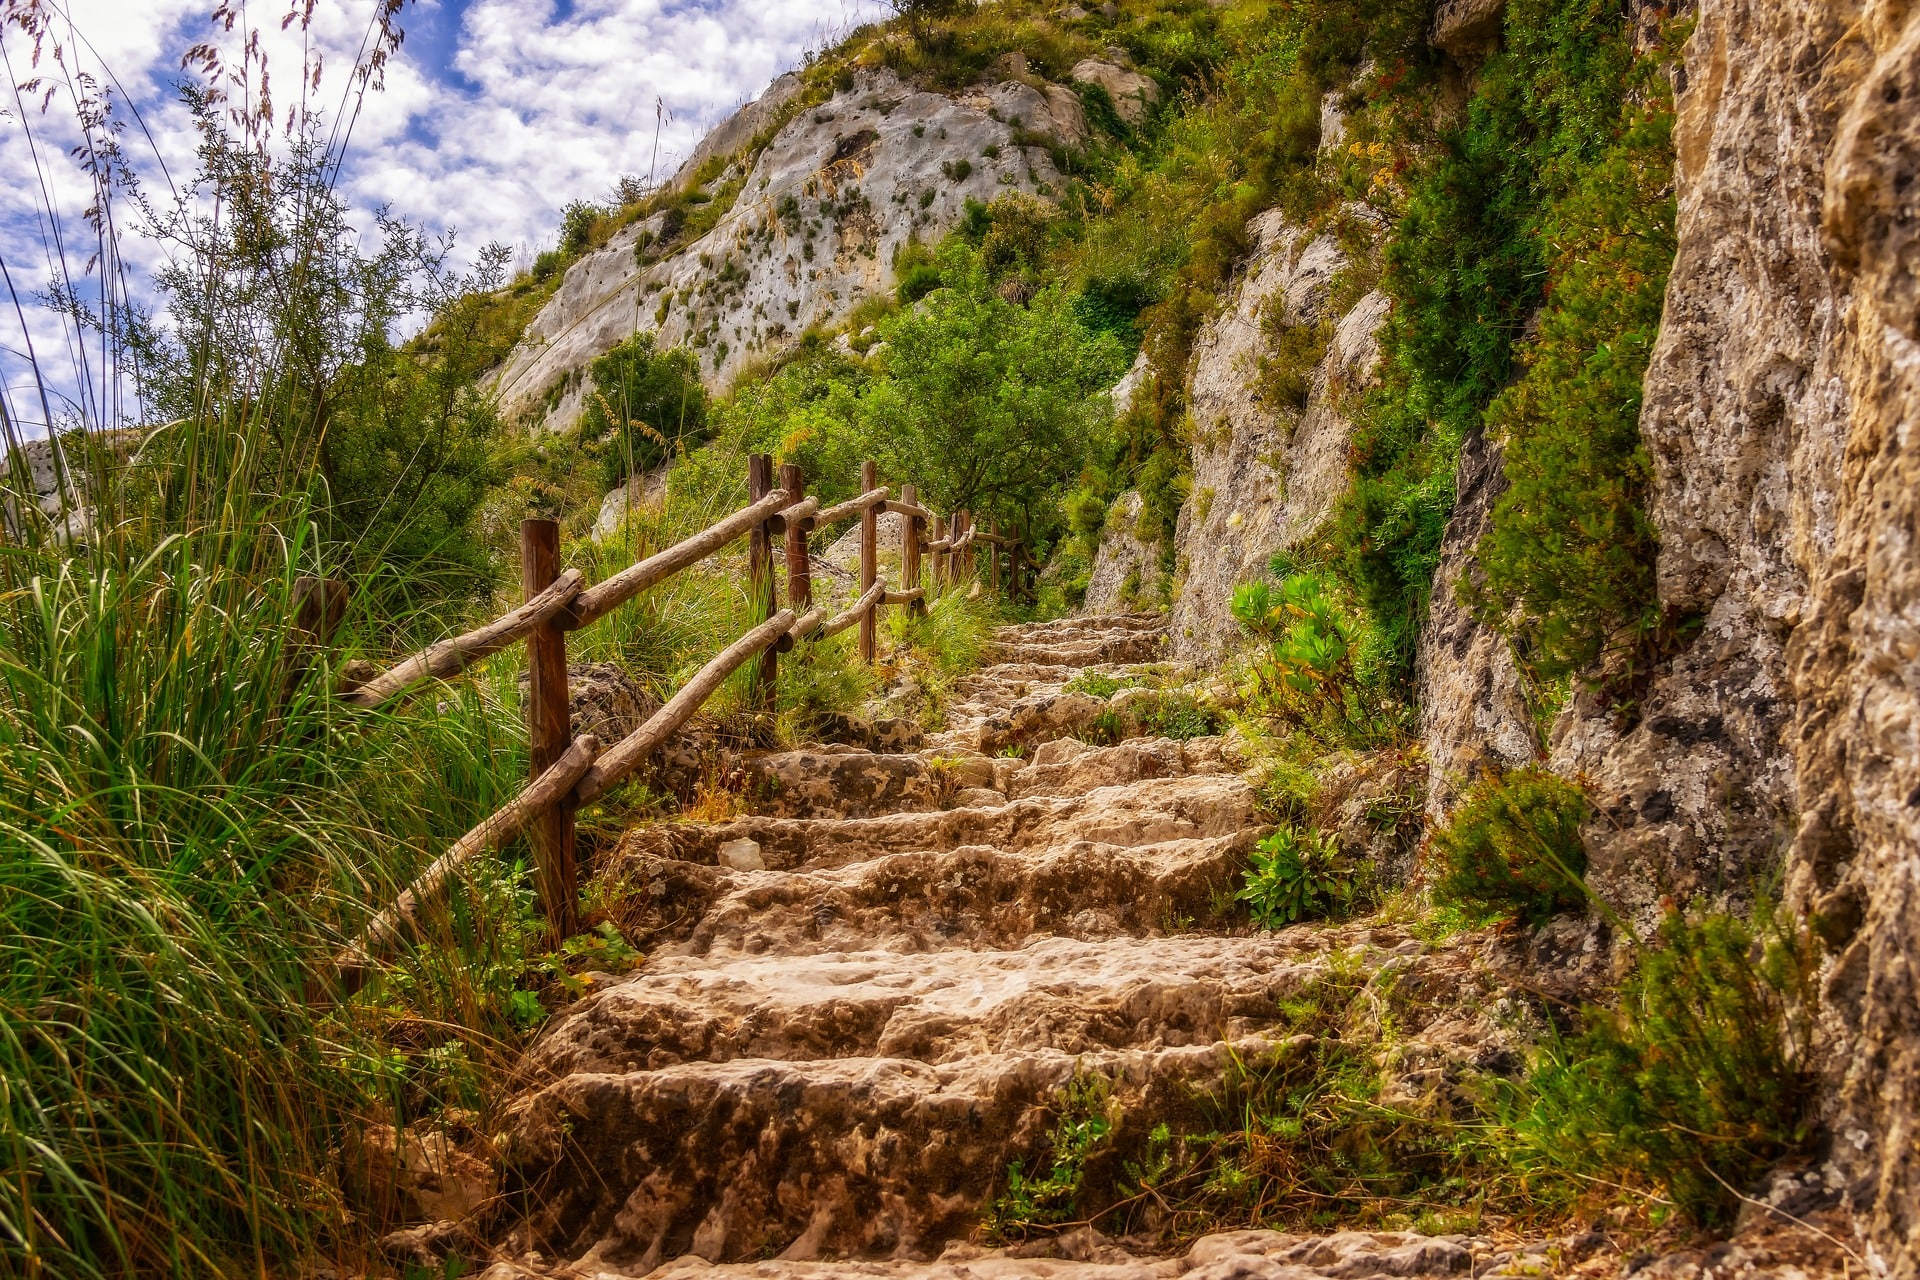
{"x": 920, "y": 15}
{"x": 644, "y": 405}
{"x": 991, "y": 405}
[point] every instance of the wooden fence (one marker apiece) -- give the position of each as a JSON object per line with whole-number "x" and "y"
{"x": 567, "y": 771}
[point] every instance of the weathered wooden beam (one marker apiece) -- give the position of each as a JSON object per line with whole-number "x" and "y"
{"x": 869, "y": 564}
{"x": 448, "y": 657}
{"x": 760, "y": 581}
{"x": 596, "y": 602}
{"x": 628, "y": 754}
{"x": 549, "y": 731}
{"x": 911, "y": 510}
{"x": 851, "y": 507}
{"x": 807, "y": 626}
{"x": 908, "y": 596}
{"x": 854, "y": 613}
{"x": 399, "y": 922}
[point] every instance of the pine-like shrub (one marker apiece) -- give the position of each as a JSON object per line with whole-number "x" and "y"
{"x": 1513, "y": 848}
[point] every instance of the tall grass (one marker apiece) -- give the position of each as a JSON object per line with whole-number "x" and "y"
{"x": 189, "y": 823}
{"x": 188, "y": 827}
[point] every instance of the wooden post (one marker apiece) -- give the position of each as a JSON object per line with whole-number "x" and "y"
{"x": 549, "y": 731}
{"x": 760, "y": 578}
{"x": 869, "y": 561}
{"x": 913, "y": 533}
{"x": 963, "y": 567}
{"x": 937, "y": 578}
{"x": 799, "y": 570}
{"x": 993, "y": 555}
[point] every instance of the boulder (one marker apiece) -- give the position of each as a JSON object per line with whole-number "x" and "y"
{"x": 1133, "y": 94}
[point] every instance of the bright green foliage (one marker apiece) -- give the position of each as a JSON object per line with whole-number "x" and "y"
{"x": 1177, "y": 714}
{"x": 1688, "y": 1085}
{"x": 1296, "y": 875}
{"x": 1513, "y": 847}
{"x": 1569, "y": 558}
{"x": 278, "y": 313}
{"x": 988, "y": 404}
{"x": 1321, "y": 671}
{"x": 1082, "y": 1125}
{"x": 1464, "y": 268}
{"x": 646, "y": 405}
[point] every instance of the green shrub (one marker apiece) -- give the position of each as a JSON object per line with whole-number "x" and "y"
{"x": 1513, "y": 847}
{"x": 918, "y": 281}
{"x": 1296, "y": 875}
{"x": 645, "y": 406}
{"x": 1083, "y": 1123}
{"x": 1464, "y": 268}
{"x": 1179, "y": 715}
{"x": 1569, "y": 555}
{"x": 1693, "y": 1084}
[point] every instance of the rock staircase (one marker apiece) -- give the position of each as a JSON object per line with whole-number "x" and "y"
{"x": 861, "y": 1006}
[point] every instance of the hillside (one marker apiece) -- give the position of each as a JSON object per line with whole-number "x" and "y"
{"x": 1418, "y": 777}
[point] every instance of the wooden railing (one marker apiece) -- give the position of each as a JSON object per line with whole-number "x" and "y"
{"x": 568, "y": 772}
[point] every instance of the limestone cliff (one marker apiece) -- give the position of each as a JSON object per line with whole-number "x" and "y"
{"x": 1266, "y": 467}
{"x": 821, "y": 211}
{"x": 1780, "y": 413}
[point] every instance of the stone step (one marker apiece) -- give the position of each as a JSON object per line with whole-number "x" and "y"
{"x": 1125, "y": 646}
{"x": 1137, "y": 813}
{"x": 1231, "y": 1255}
{"x": 1068, "y": 994}
{"x": 755, "y": 1158}
{"x": 1085, "y": 622}
{"x": 971, "y": 896}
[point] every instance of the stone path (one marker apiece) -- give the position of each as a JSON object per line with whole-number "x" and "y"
{"x": 862, "y": 1004}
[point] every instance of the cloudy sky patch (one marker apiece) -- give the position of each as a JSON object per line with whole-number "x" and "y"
{"x": 495, "y": 114}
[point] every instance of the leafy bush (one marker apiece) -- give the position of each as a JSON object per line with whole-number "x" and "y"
{"x": 1082, "y": 1125}
{"x": 645, "y": 406}
{"x": 1569, "y": 556}
{"x": 1513, "y": 847}
{"x": 1693, "y": 1085}
{"x": 1464, "y": 268}
{"x": 1179, "y": 715}
{"x": 1295, "y": 875}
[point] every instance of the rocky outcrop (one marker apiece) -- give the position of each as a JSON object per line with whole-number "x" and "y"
{"x": 1265, "y": 474}
{"x": 821, "y": 211}
{"x": 1133, "y": 94}
{"x": 1126, "y": 569}
{"x": 1780, "y": 414}
{"x": 1466, "y": 28}
{"x": 40, "y": 476}
{"x": 1473, "y": 708}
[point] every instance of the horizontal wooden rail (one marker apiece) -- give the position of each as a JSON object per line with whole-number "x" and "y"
{"x": 628, "y": 754}
{"x": 596, "y": 602}
{"x": 945, "y": 544}
{"x": 911, "y": 510}
{"x": 851, "y": 507}
{"x": 400, "y": 921}
{"x": 856, "y": 611}
{"x": 904, "y": 597}
{"x": 966, "y": 540}
{"x": 808, "y": 624}
{"x": 802, "y": 515}
{"x": 449, "y": 657}
{"x": 995, "y": 539}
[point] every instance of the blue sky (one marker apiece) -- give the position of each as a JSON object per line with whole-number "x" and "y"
{"x": 496, "y": 112}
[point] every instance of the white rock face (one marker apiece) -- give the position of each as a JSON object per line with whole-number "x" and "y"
{"x": 1264, "y": 476}
{"x": 1133, "y": 94}
{"x": 1122, "y": 558}
{"x": 821, "y": 213}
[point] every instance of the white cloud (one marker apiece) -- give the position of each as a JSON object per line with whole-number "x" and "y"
{"x": 530, "y": 106}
